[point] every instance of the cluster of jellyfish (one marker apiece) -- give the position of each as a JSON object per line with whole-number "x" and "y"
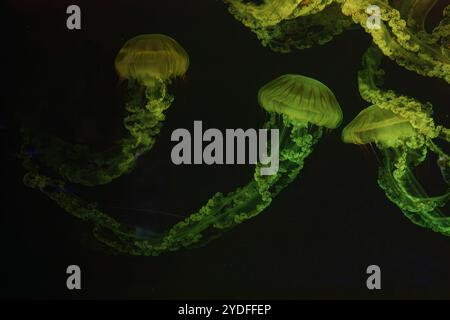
{"x": 300, "y": 107}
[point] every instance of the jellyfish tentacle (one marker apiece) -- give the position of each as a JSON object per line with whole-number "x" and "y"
{"x": 415, "y": 12}
{"x": 371, "y": 78}
{"x": 220, "y": 213}
{"x": 298, "y": 106}
{"x": 148, "y": 63}
{"x": 66, "y": 200}
{"x": 144, "y": 123}
{"x": 400, "y": 162}
{"x": 441, "y": 34}
{"x": 305, "y": 31}
{"x": 402, "y": 151}
{"x": 443, "y": 160}
{"x": 416, "y": 51}
{"x": 284, "y": 25}
{"x": 405, "y": 42}
{"x": 406, "y": 149}
{"x": 272, "y": 12}
{"x": 81, "y": 165}
{"x": 223, "y": 212}
{"x": 401, "y": 187}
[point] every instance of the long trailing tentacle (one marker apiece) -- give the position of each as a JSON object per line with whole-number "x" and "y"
{"x": 285, "y": 25}
{"x": 305, "y": 31}
{"x": 220, "y": 213}
{"x": 272, "y": 12}
{"x": 396, "y": 176}
{"x": 397, "y": 179}
{"x": 401, "y": 36}
{"x": 370, "y": 80}
{"x": 81, "y": 165}
{"x": 420, "y": 52}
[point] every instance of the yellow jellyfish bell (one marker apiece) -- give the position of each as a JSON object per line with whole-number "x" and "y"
{"x": 376, "y": 125}
{"x": 151, "y": 57}
{"x": 302, "y": 99}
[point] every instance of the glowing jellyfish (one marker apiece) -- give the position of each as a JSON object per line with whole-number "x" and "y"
{"x": 150, "y": 58}
{"x": 148, "y": 63}
{"x": 398, "y": 31}
{"x": 298, "y": 106}
{"x": 380, "y": 126}
{"x": 302, "y": 99}
{"x": 403, "y": 148}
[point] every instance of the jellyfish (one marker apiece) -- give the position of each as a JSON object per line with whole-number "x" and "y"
{"x": 403, "y": 148}
{"x": 302, "y": 99}
{"x": 148, "y": 63}
{"x": 151, "y": 59}
{"x": 298, "y": 106}
{"x": 376, "y": 125}
{"x": 404, "y": 130}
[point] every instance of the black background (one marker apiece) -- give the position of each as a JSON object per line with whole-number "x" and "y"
{"x": 316, "y": 239}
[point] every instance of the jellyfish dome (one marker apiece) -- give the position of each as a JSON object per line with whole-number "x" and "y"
{"x": 376, "y": 125}
{"x": 302, "y": 99}
{"x": 151, "y": 57}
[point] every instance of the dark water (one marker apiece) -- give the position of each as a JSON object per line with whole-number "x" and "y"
{"x": 316, "y": 239}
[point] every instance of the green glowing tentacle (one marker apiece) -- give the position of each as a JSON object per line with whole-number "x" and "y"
{"x": 220, "y": 213}
{"x": 403, "y": 40}
{"x": 414, "y": 12}
{"x": 396, "y": 176}
{"x": 80, "y": 164}
{"x": 416, "y": 51}
{"x": 283, "y": 25}
{"x": 443, "y": 161}
{"x": 402, "y": 188}
{"x": 272, "y": 12}
{"x": 371, "y": 78}
{"x": 305, "y": 31}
